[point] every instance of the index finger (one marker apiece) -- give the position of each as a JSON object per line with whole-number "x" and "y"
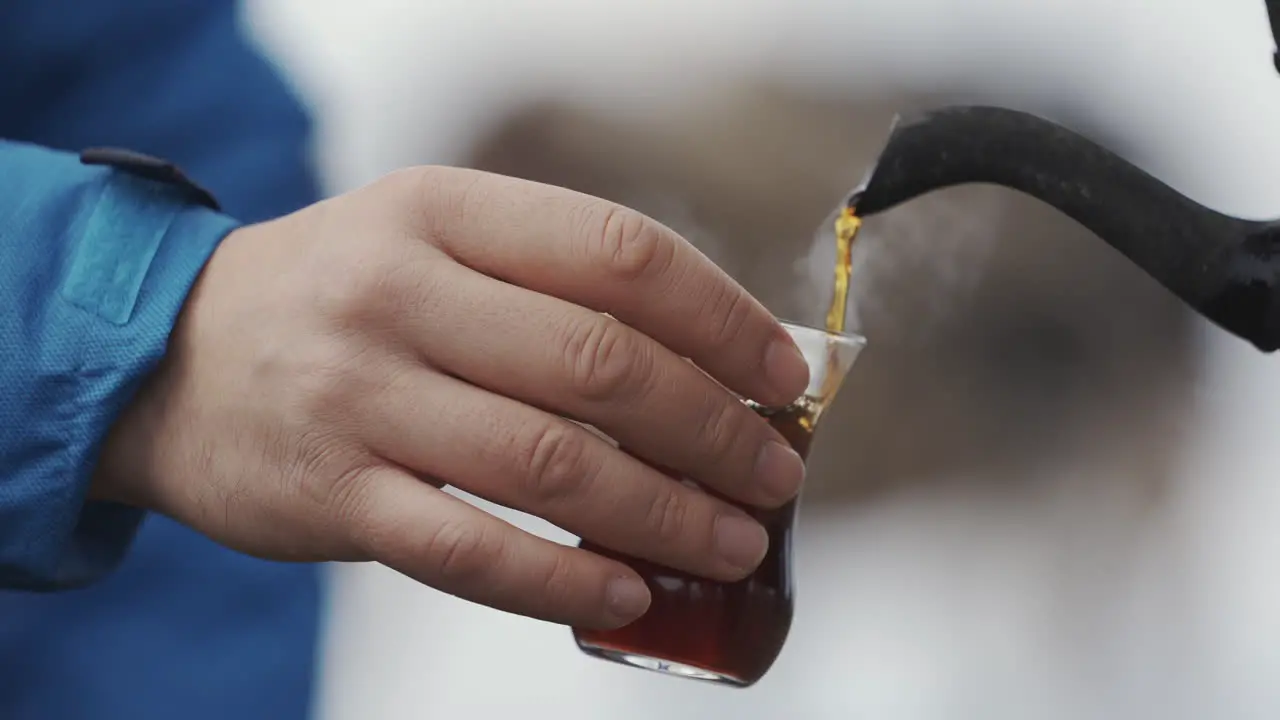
{"x": 603, "y": 256}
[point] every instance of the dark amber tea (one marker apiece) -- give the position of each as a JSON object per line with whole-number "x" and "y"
{"x": 731, "y": 633}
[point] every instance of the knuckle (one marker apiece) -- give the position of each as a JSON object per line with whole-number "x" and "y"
{"x": 346, "y": 501}
{"x": 460, "y": 553}
{"x": 668, "y": 516}
{"x": 446, "y": 199}
{"x": 555, "y": 465}
{"x": 378, "y": 290}
{"x": 358, "y": 294}
{"x": 605, "y": 360}
{"x": 408, "y": 287}
{"x": 722, "y": 429}
{"x": 729, "y": 309}
{"x": 410, "y": 194}
{"x": 632, "y": 247}
{"x": 419, "y": 181}
{"x": 327, "y": 465}
{"x": 558, "y": 582}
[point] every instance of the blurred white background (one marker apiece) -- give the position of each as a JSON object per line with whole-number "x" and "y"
{"x": 927, "y": 605}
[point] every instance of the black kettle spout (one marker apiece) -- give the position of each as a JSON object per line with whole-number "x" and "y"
{"x": 1226, "y": 268}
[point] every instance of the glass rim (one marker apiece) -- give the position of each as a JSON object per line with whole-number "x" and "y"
{"x": 851, "y": 338}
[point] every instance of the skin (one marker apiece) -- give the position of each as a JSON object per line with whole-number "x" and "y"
{"x": 334, "y": 369}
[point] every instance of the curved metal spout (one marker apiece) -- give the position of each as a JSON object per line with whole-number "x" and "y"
{"x": 1273, "y": 15}
{"x": 1226, "y": 268}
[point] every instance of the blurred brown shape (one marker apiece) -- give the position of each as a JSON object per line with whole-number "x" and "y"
{"x": 1003, "y": 337}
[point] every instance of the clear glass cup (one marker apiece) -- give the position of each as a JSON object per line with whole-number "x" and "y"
{"x": 731, "y": 633}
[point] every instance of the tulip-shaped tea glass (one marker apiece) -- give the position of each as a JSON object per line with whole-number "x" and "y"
{"x": 731, "y": 633}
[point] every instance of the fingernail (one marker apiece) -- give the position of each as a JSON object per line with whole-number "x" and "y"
{"x": 740, "y": 541}
{"x": 626, "y": 599}
{"x": 786, "y": 369}
{"x": 779, "y": 471}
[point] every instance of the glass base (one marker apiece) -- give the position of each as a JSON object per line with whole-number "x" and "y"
{"x": 664, "y": 667}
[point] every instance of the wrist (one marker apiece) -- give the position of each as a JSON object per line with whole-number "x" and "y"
{"x": 125, "y": 470}
{"x": 142, "y": 460}
{"x": 131, "y": 463}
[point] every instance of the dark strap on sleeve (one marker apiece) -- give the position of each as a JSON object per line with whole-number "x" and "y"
{"x": 151, "y": 168}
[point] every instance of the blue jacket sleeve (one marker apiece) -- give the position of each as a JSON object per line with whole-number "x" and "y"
{"x": 95, "y": 265}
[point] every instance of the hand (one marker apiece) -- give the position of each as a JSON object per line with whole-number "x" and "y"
{"x": 333, "y": 369}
